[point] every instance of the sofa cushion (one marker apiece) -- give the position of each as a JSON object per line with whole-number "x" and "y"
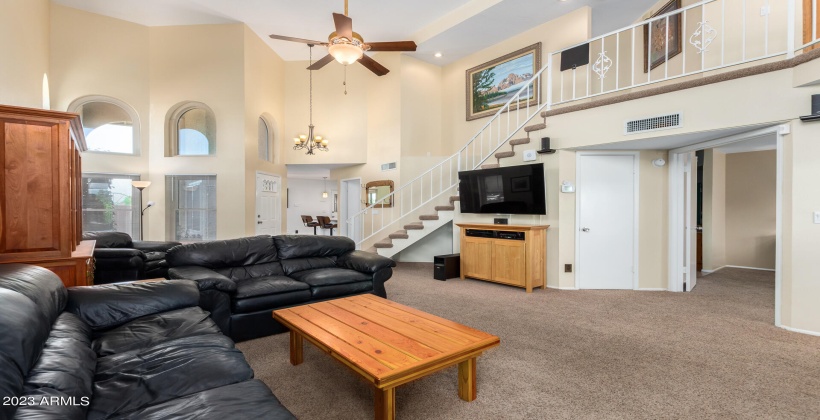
{"x": 330, "y": 276}
{"x": 67, "y": 363}
{"x": 109, "y": 239}
{"x": 340, "y": 290}
{"x": 250, "y": 271}
{"x": 244, "y": 400}
{"x": 270, "y": 302}
{"x": 69, "y": 409}
{"x": 154, "y": 329}
{"x": 136, "y": 379}
{"x": 298, "y": 246}
{"x": 271, "y": 285}
{"x": 308, "y": 263}
{"x": 227, "y": 253}
{"x": 154, "y": 256}
{"x": 107, "y": 306}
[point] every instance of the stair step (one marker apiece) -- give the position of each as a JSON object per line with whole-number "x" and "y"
{"x": 490, "y": 166}
{"x": 428, "y": 217}
{"x": 385, "y": 243}
{"x": 501, "y": 155}
{"x": 399, "y": 234}
{"x": 454, "y": 198}
{"x": 445, "y": 208}
{"x": 371, "y": 250}
{"x": 516, "y": 142}
{"x": 414, "y": 226}
{"x": 535, "y": 127}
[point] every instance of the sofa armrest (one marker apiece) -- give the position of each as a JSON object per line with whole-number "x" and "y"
{"x": 107, "y": 253}
{"x": 107, "y": 306}
{"x": 364, "y": 262}
{"x": 206, "y": 279}
{"x": 154, "y": 246}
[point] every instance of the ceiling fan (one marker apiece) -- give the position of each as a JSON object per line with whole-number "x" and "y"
{"x": 347, "y": 47}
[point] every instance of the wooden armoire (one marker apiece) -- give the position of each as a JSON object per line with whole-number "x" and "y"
{"x": 41, "y": 194}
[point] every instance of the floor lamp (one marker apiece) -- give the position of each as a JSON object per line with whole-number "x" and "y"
{"x": 141, "y": 185}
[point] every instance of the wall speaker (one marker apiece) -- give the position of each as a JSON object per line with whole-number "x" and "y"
{"x": 545, "y": 146}
{"x": 575, "y": 57}
{"x": 815, "y": 104}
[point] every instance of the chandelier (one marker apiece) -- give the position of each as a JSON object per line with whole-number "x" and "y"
{"x": 310, "y": 141}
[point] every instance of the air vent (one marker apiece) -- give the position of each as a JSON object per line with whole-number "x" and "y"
{"x": 388, "y": 166}
{"x": 661, "y": 122}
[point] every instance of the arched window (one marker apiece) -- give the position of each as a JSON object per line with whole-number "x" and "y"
{"x": 265, "y": 140}
{"x": 110, "y": 125}
{"x": 191, "y": 130}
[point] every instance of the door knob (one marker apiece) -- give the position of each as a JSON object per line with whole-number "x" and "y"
{"x": 584, "y": 229}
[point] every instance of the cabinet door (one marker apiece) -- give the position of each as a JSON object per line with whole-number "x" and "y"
{"x": 476, "y": 255}
{"x": 509, "y": 261}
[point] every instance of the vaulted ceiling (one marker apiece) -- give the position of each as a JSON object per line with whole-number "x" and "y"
{"x": 456, "y": 28}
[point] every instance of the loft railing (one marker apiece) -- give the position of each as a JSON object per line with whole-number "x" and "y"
{"x": 705, "y": 36}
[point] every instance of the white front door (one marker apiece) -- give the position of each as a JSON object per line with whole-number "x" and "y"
{"x": 268, "y": 204}
{"x": 606, "y": 220}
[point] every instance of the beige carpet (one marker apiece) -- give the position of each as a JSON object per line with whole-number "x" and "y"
{"x": 712, "y": 353}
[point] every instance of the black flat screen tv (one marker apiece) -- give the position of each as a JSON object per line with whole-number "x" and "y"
{"x": 508, "y": 190}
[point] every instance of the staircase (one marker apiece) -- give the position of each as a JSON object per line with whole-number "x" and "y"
{"x": 427, "y": 223}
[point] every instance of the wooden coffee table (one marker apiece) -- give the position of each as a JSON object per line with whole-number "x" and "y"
{"x": 388, "y": 344}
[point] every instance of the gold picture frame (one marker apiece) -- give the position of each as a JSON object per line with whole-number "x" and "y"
{"x": 654, "y": 54}
{"x": 491, "y": 85}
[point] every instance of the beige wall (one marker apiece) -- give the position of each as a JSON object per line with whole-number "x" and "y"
{"x": 24, "y": 37}
{"x": 653, "y": 210}
{"x": 264, "y": 96}
{"x": 750, "y": 209}
{"x": 97, "y": 55}
{"x": 714, "y": 210}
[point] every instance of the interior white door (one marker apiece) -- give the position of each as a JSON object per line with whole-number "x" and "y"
{"x": 690, "y": 166}
{"x": 268, "y": 204}
{"x": 606, "y": 221}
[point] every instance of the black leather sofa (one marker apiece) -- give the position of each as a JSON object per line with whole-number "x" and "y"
{"x": 130, "y": 351}
{"x": 118, "y": 258}
{"x": 243, "y": 280}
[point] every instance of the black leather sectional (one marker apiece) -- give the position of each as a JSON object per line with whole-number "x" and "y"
{"x": 130, "y": 351}
{"x": 243, "y": 280}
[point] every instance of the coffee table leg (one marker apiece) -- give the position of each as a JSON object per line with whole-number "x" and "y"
{"x": 466, "y": 380}
{"x": 296, "y": 347}
{"x": 385, "y": 403}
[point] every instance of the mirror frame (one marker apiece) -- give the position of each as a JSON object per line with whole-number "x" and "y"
{"x": 382, "y": 183}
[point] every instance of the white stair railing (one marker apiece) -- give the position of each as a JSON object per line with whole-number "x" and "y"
{"x": 397, "y": 208}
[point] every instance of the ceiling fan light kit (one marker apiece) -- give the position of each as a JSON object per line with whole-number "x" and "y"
{"x": 348, "y": 47}
{"x": 310, "y": 141}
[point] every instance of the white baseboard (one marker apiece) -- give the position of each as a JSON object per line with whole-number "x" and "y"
{"x": 561, "y": 288}
{"x": 749, "y": 268}
{"x": 651, "y": 289}
{"x": 797, "y": 330}
{"x": 736, "y": 266}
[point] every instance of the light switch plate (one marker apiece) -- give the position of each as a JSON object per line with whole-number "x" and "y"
{"x": 529, "y": 155}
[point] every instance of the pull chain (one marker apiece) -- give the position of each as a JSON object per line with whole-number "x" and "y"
{"x": 345, "y": 81}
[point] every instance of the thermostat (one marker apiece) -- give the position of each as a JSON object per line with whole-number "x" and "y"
{"x": 529, "y": 155}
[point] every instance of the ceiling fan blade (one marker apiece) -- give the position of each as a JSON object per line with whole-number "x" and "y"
{"x": 344, "y": 25}
{"x": 302, "y": 40}
{"x": 392, "y": 46}
{"x": 321, "y": 63}
{"x": 373, "y": 66}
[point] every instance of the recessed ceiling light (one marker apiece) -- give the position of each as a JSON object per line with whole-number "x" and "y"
{"x": 438, "y": 55}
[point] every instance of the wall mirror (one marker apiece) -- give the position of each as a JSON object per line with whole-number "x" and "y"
{"x": 376, "y": 190}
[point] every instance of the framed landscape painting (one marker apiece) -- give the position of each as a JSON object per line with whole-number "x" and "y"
{"x": 657, "y": 45}
{"x": 494, "y": 83}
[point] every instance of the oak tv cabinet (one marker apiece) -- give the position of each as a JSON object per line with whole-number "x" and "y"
{"x": 514, "y": 255}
